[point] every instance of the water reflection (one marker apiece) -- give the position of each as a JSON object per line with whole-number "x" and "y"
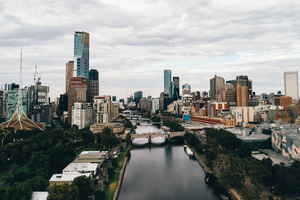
{"x": 164, "y": 172}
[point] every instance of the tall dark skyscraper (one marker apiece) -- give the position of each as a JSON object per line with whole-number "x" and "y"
{"x": 137, "y": 96}
{"x": 167, "y": 80}
{"x": 93, "y": 84}
{"x": 176, "y": 87}
{"x": 81, "y": 54}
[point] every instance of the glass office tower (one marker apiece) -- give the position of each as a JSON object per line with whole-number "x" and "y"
{"x": 176, "y": 87}
{"x": 81, "y": 54}
{"x": 167, "y": 80}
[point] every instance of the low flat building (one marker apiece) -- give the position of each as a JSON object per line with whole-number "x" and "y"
{"x": 115, "y": 127}
{"x": 81, "y": 168}
{"x": 92, "y": 157}
{"x": 60, "y": 179}
{"x": 39, "y": 196}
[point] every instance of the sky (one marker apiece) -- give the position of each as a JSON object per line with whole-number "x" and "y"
{"x": 133, "y": 41}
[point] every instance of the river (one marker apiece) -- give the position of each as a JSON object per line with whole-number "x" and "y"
{"x": 164, "y": 172}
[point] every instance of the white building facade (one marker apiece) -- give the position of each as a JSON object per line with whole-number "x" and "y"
{"x": 82, "y": 114}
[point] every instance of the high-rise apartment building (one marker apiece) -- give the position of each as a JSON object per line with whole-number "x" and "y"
{"x": 176, "y": 87}
{"x": 167, "y": 80}
{"x": 216, "y": 87}
{"x": 93, "y": 85}
{"x": 291, "y": 85}
{"x": 82, "y": 114}
{"x": 104, "y": 109}
{"x": 186, "y": 89}
{"x": 69, "y": 73}
{"x": 77, "y": 93}
{"x": 37, "y": 95}
{"x": 81, "y": 54}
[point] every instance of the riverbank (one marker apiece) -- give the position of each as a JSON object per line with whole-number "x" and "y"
{"x": 121, "y": 176}
{"x": 201, "y": 160}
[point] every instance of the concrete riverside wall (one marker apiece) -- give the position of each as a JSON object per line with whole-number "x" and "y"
{"x": 119, "y": 184}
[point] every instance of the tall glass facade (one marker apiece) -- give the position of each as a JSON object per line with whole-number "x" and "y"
{"x": 291, "y": 85}
{"x": 176, "y": 87}
{"x": 93, "y": 84}
{"x": 167, "y": 80}
{"x": 81, "y": 54}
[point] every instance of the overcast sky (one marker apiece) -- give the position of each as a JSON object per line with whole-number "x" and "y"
{"x": 133, "y": 41}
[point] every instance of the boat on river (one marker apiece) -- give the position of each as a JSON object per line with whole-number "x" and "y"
{"x": 189, "y": 151}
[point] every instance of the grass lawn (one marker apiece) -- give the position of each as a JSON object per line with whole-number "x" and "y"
{"x": 9, "y": 174}
{"x": 110, "y": 190}
{"x": 121, "y": 159}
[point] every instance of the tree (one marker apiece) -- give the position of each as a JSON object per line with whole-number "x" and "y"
{"x": 128, "y": 139}
{"x": 58, "y": 157}
{"x": 18, "y": 191}
{"x": 83, "y": 185}
{"x": 38, "y": 164}
{"x": 26, "y": 149}
{"x": 114, "y": 162}
{"x": 62, "y": 192}
{"x": 244, "y": 151}
{"x": 13, "y": 168}
{"x": 100, "y": 195}
{"x": 38, "y": 183}
{"x": 110, "y": 171}
{"x": 107, "y": 131}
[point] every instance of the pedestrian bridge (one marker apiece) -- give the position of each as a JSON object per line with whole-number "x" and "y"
{"x": 168, "y": 135}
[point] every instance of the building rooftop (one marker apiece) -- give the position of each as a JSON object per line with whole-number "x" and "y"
{"x": 255, "y": 137}
{"x": 275, "y": 157}
{"x": 39, "y": 196}
{"x": 80, "y": 167}
{"x": 67, "y": 177}
{"x": 107, "y": 124}
{"x": 91, "y": 157}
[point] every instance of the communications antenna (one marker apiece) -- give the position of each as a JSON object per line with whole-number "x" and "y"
{"x": 35, "y": 72}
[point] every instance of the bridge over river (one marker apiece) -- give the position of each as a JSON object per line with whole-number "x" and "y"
{"x": 168, "y": 135}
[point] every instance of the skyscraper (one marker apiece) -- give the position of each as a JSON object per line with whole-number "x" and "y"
{"x": 69, "y": 73}
{"x": 216, "y": 86}
{"x": 186, "y": 89}
{"x": 137, "y": 97}
{"x": 243, "y": 81}
{"x": 172, "y": 91}
{"x": 167, "y": 80}
{"x": 81, "y": 54}
{"x": 77, "y": 93}
{"x": 93, "y": 84}
{"x": 291, "y": 85}
{"x": 176, "y": 93}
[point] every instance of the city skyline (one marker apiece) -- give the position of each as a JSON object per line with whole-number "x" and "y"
{"x": 193, "y": 40}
